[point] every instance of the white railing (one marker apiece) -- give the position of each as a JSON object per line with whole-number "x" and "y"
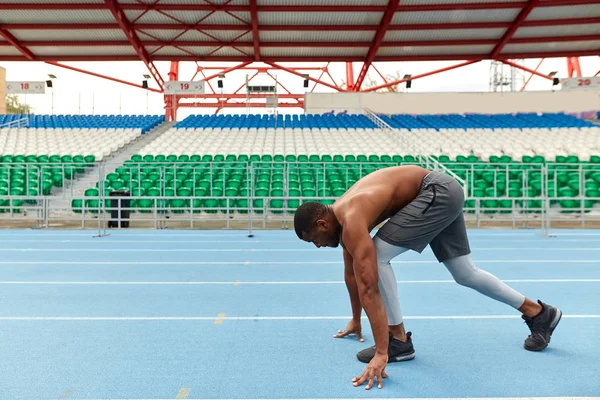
{"x": 18, "y": 123}
{"x": 426, "y": 160}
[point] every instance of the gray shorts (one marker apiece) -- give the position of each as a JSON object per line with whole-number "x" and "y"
{"x": 434, "y": 217}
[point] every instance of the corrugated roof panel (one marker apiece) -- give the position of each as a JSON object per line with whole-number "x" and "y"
{"x": 456, "y": 16}
{"x": 322, "y": 2}
{"x": 192, "y": 2}
{"x": 231, "y": 52}
{"x": 444, "y": 34}
{"x": 164, "y": 17}
{"x": 313, "y": 36}
{"x": 433, "y": 50}
{"x": 92, "y": 34}
{"x": 560, "y": 30}
{"x": 83, "y": 51}
{"x": 155, "y": 34}
{"x": 313, "y": 51}
{"x": 52, "y": 1}
{"x": 324, "y": 18}
{"x": 427, "y": 2}
{"x": 173, "y": 51}
{"x": 219, "y": 17}
{"x": 550, "y": 47}
{"x": 585, "y": 11}
{"x": 225, "y": 36}
{"x": 9, "y": 51}
{"x": 55, "y": 16}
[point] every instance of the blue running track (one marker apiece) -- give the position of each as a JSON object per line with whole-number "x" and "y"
{"x": 146, "y": 314}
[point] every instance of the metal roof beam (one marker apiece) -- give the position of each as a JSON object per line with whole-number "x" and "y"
{"x": 291, "y": 8}
{"x": 16, "y": 44}
{"x": 513, "y": 28}
{"x": 312, "y": 28}
{"x": 411, "y": 43}
{"x": 255, "y": 37}
{"x": 122, "y": 21}
{"x": 272, "y": 60}
{"x": 386, "y": 19}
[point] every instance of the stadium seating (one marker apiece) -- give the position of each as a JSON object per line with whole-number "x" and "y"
{"x": 142, "y": 122}
{"x": 51, "y": 149}
{"x": 498, "y": 156}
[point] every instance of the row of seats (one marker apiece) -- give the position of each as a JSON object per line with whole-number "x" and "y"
{"x": 582, "y": 142}
{"x": 143, "y": 122}
{"x": 345, "y": 121}
{"x": 99, "y": 142}
{"x": 222, "y": 179}
{"x": 278, "y": 121}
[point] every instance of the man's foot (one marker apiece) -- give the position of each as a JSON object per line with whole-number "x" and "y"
{"x": 397, "y": 350}
{"x": 541, "y": 326}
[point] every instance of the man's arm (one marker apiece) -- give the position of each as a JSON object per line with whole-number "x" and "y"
{"x": 359, "y": 244}
{"x": 352, "y": 286}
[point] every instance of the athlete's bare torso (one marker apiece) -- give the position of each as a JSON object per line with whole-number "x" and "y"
{"x": 380, "y": 194}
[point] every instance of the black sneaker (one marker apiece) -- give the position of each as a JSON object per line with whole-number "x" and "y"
{"x": 397, "y": 350}
{"x": 541, "y": 326}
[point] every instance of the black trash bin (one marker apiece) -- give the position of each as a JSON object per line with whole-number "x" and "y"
{"x": 114, "y": 209}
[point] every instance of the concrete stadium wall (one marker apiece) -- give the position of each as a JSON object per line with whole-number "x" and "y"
{"x": 452, "y": 103}
{"x": 2, "y": 94}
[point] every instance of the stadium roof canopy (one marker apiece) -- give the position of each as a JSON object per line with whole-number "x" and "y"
{"x": 296, "y": 30}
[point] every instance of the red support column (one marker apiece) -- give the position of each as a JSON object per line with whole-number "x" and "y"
{"x": 349, "y": 76}
{"x": 383, "y": 26}
{"x": 171, "y": 101}
{"x": 573, "y": 67}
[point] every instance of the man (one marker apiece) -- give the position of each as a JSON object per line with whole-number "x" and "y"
{"x": 423, "y": 208}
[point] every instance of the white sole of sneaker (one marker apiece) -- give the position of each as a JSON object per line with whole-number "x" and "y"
{"x": 403, "y": 358}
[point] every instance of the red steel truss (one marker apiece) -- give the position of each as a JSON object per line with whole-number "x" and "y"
{"x": 231, "y": 32}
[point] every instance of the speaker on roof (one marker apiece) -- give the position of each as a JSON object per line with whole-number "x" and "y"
{"x": 220, "y": 84}
{"x": 49, "y": 84}
{"x": 555, "y": 81}
{"x": 145, "y": 84}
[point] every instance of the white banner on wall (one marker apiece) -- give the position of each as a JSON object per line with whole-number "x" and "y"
{"x": 184, "y": 87}
{"x": 17, "y": 87}
{"x": 585, "y": 83}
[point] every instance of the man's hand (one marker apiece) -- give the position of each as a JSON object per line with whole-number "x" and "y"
{"x": 353, "y": 327}
{"x": 375, "y": 369}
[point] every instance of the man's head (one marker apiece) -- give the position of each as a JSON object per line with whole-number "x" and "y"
{"x": 316, "y": 223}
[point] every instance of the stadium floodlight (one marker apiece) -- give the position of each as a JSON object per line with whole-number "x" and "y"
{"x": 147, "y": 76}
{"x": 52, "y": 76}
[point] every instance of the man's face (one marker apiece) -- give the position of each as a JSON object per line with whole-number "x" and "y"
{"x": 322, "y": 235}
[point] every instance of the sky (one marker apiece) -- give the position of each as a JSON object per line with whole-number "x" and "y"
{"x": 77, "y": 93}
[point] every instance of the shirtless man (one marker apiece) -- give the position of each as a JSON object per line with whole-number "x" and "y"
{"x": 423, "y": 208}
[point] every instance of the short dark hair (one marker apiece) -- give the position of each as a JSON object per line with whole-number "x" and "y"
{"x": 307, "y": 215}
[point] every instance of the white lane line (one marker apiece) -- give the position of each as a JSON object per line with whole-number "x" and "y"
{"x": 279, "y": 262}
{"x": 268, "y": 240}
{"x": 379, "y": 398}
{"x": 281, "y": 318}
{"x": 302, "y": 250}
{"x": 240, "y": 282}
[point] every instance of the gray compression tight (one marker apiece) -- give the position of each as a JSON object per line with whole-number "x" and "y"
{"x": 463, "y": 271}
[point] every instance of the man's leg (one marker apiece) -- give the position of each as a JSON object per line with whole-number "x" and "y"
{"x": 388, "y": 287}
{"x": 540, "y": 317}
{"x": 400, "y": 346}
